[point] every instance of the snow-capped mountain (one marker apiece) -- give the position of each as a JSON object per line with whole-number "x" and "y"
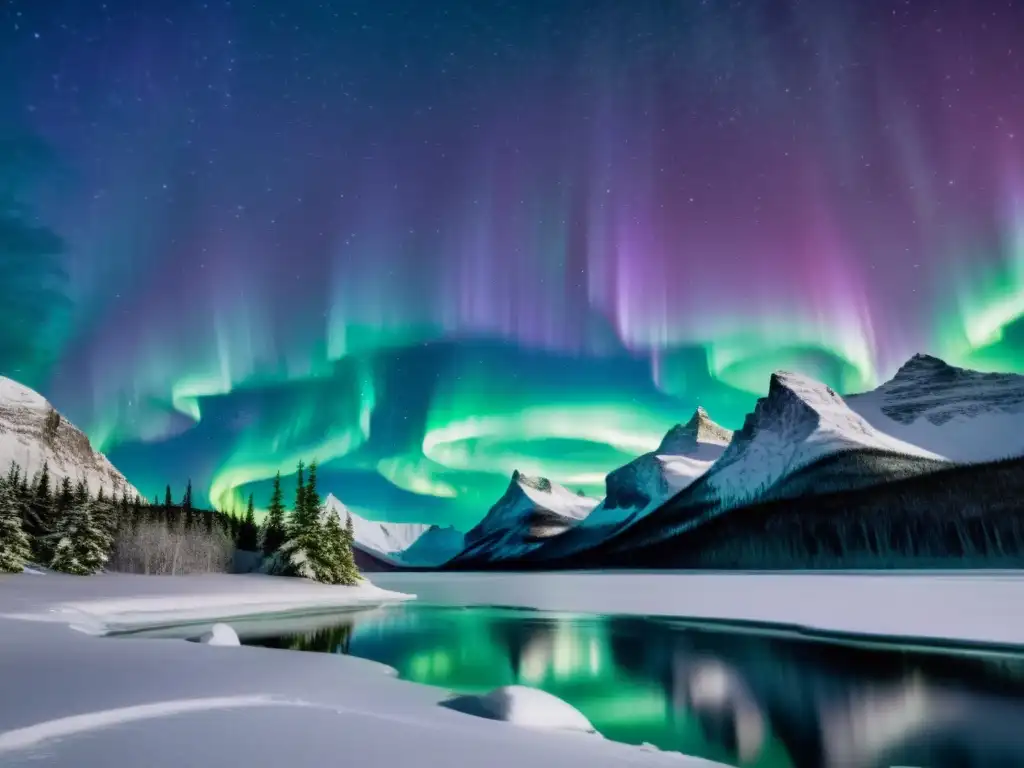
{"x": 400, "y": 543}
{"x": 799, "y": 422}
{"x": 531, "y": 510}
{"x": 686, "y": 452}
{"x": 963, "y": 415}
{"x": 32, "y": 433}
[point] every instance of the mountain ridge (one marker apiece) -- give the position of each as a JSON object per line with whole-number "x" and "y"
{"x": 34, "y": 433}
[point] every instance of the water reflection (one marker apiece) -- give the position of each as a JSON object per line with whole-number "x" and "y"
{"x": 740, "y": 698}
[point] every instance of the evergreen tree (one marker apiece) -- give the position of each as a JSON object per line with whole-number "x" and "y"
{"x": 38, "y": 515}
{"x": 136, "y": 512}
{"x": 42, "y": 489}
{"x": 235, "y": 525}
{"x": 248, "y": 533}
{"x": 186, "y": 507}
{"x": 103, "y": 512}
{"x": 167, "y": 498}
{"x": 14, "y": 542}
{"x": 311, "y": 496}
{"x": 298, "y": 515}
{"x": 275, "y": 533}
{"x": 349, "y": 570}
{"x": 307, "y": 550}
{"x": 81, "y": 492}
{"x": 339, "y": 544}
{"x": 83, "y": 542}
{"x": 334, "y": 542}
{"x": 65, "y": 497}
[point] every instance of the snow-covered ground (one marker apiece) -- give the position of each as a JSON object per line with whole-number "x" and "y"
{"x": 73, "y": 699}
{"x": 964, "y": 607}
{"x": 116, "y": 602}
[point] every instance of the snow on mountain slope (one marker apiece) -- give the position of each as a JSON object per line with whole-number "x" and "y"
{"x": 400, "y": 543}
{"x": 531, "y": 510}
{"x": 29, "y": 441}
{"x": 686, "y": 452}
{"x": 963, "y": 415}
{"x": 800, "y": 421}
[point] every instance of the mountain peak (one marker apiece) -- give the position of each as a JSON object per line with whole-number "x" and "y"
{"x": 699, "y": 429}
{"x": 800, "y": 421}
{"x": 537, "y": 483}
{"x": 923, "y": 364}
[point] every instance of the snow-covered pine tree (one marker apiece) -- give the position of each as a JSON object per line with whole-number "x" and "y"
{"x": 349, "y": 570}
{"x": 64, "y": 498}
{"x": 275, "y": 533}
{"x": 104, "y": 512}
{"x": 334, "y": 540}
{"x": 306, "y": 550}
{"x": 39, "y": 517}
{"x": 82, "y": 541}
{"x": 14, "y": 542}
{"x": 300, "y": 495}
{"x": 311, "y": 497}
{"x": 81, "y": 492}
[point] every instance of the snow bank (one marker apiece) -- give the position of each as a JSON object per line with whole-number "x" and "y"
{"x": 220, "y": 634}
{"x": 188, "y": 600}
{"x": 526, "y": 707}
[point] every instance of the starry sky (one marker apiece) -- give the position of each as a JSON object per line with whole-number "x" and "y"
{"x": 427, "y": 243}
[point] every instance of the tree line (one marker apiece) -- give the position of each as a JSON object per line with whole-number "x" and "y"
{"x": 69, "y": 529}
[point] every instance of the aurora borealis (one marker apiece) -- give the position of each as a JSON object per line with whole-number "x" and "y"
{"x": 428, "y": 243}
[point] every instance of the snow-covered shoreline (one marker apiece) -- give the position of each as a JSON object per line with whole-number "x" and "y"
{"x": 165, "y": 702}
{"x": 116, "y": 604}
{"x": 170, "y": 703}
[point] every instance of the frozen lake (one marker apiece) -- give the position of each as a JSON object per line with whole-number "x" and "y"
{"x": 750, "y": 698}
{"x": 750, "y": 669}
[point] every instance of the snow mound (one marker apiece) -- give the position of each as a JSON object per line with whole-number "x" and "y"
{"x": 532, "y": 510}
{"x": 525, "y": 707}
{"x": 28, "y": 440}
{"x": 220, "y": 634}
{"x": 800, "y": 421}
{"x": 400, "y": 543}
{"x": 963, "y": 415}
{"x": 686, "y": 452}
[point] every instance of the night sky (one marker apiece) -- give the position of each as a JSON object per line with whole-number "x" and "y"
{"x": 427, "y": 242}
